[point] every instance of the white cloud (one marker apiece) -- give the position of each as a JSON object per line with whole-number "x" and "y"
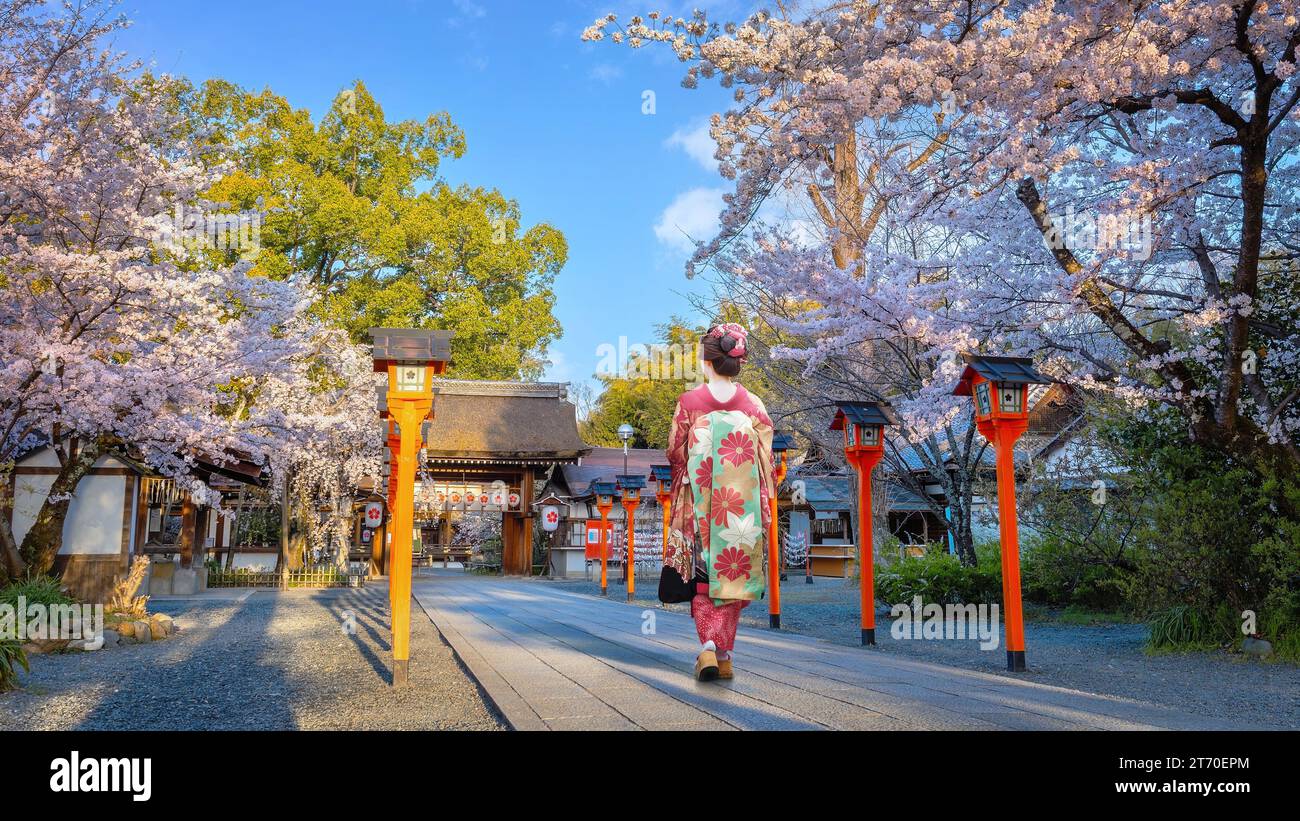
{"x": 692, "y": 215}
{"x": 697, "y": 144}
{"x": 469, "y": 8}
{"x": 558, "y": 368}
{"x": 606, "y": 73}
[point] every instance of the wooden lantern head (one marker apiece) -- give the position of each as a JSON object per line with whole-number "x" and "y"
{"x": 604, "y": 494}
{"x": 411, "y": 358}
{"x": 999, "y": 386}
{"x": 663, "y": 479}
{"x": 630, "y": 488}
{"x": 863, "y": 424}
{"x": 782, "y": 442}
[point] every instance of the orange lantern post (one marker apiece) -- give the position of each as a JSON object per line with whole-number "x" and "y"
{"x": 604, "y": 503}
{"x": 411, "y": 358}
{"x": 663, "y": 478}
{"x": 999, "y": 386}
{"x": 630, "y": 495}
{"x": 781, "y": 442}
{"x": 391, "y": 455}
{"x": 863, "y": 424}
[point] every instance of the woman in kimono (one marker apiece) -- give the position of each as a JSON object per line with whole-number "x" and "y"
{"x": 720, "y": 449}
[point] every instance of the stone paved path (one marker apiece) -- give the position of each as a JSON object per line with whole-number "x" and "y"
{"x": 552, "y": 659}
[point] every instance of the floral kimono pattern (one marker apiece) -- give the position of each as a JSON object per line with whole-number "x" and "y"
{"x": 721, "y": 455}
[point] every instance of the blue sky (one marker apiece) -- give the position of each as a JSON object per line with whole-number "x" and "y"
{"x": 549, "y": 120}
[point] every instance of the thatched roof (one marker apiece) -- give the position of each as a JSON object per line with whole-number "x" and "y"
{"x": 503, "y": 423}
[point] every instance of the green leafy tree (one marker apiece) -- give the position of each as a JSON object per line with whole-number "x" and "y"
{"x": 355, "y": 205}
{"x": 646, "y": 396}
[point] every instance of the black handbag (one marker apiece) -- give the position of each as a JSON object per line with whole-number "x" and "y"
{"x": 672, "y": 590}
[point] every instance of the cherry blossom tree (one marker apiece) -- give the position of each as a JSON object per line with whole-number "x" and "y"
{"x": 1107, "y": 186}
{"x": 111, "y": 340}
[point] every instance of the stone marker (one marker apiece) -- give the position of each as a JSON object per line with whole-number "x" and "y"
{"x": 1252, "y": 646}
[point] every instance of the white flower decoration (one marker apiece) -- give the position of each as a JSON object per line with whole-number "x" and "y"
{"x": 741, "y": 531}
{"x": 703, "y": 445}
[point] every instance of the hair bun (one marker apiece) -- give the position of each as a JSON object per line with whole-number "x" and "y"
{"x": 727, "y": 343}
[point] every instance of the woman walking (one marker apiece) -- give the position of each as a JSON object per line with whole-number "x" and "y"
{"x": 720, "y": 449}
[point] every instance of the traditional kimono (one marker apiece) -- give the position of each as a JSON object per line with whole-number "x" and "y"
{"x": 721, "y": 457}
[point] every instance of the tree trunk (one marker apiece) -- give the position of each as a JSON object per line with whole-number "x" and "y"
{"x": 960, "y": 505}
{"x": 234, "y": 529}
{"x": 282, "y": 561}
{"x": 12, "y": 566}
{"x": 963, "y": 538}
{"x": 298, "y": 547}
{"x": 342, "y": 531}
{"x": 42, "y": 542}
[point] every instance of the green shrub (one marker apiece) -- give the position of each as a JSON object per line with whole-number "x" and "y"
{"x": 1180, "y": 627}
{"x": 11, "y": 658}
{"x": 43, "y": 590}
{"x": 36, "y": 590}
{"x": 1056, "y": 572}
{"x": 941, "y": 578}
{"x": 1281, "y": 626}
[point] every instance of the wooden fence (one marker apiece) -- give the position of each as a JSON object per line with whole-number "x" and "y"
{"x": 307, "y": 577}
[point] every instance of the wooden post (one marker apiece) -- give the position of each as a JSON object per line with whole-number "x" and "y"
{"x": 185, "y": 539}
{"x": 409, "y": 413}
{"x": 630, "y": 503}
{"x": 773, "y": 569}
{"x": 526, "y": 520}
{"x": 807, "y": 560}
{"x": 377, "y": 566}
{"x": 865, "y": 462}
{"x": 1005, "y": 434}
{"x": 202, "y": 520}
{"x": 666, "y": 505}
{"x": 775, "y": 556}
{"x": 604, "y": 548}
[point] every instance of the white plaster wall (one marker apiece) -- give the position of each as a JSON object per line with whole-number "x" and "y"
{"x": 29, "y": 495}
{"x": 94, "y": 522}
{"x": 264, "y": 562}
{"x": 568, "y": 562}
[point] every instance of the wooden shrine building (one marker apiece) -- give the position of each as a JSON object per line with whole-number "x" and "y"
{"x": 504, "y": 435}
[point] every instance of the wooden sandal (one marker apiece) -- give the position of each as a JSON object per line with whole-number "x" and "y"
{"x": 706, "y": 666}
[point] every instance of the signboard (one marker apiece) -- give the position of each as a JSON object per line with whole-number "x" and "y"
{"x": 550, "y": 517}
{"x": 593, "y": 538}
{"x": 374, "y": 514}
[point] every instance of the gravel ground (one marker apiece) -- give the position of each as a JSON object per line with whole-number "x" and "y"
{"x": 1105, "y": 658}
{"x": 274, "y": 661}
